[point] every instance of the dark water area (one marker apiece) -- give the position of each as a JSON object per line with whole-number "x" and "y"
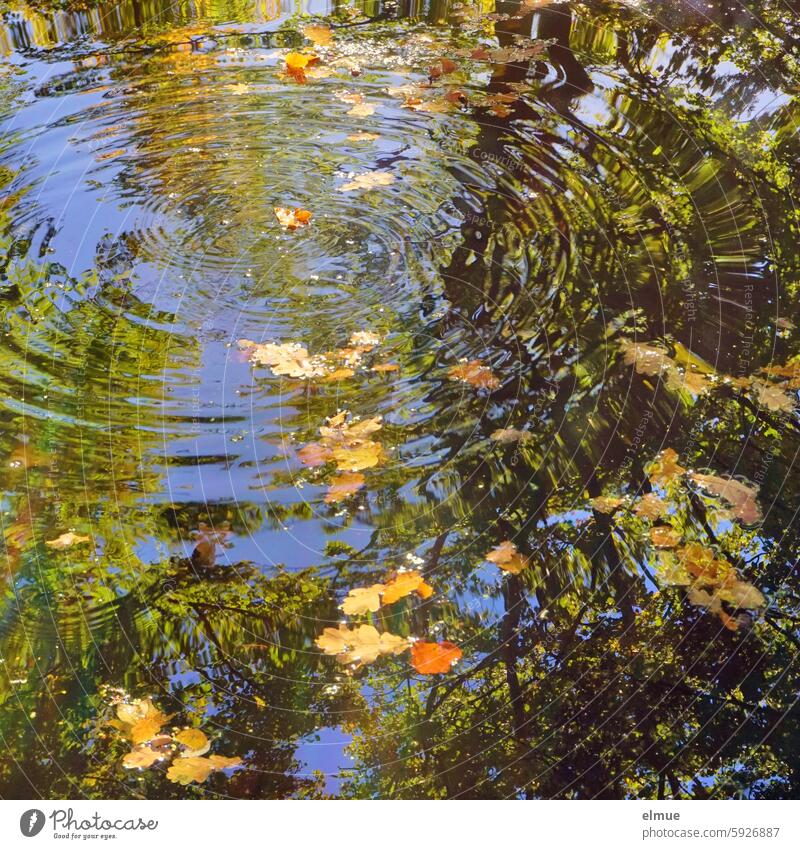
{"x": 531, "y": 368}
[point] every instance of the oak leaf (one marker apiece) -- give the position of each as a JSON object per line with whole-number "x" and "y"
{"x": 363, "y": 600}
{"x": 360, "y": 645}
{"x": 142, "y": 757}
{"x": 359, "y": 455}
{"x": 343, "y": 486}
{"x": 187, "y": 770}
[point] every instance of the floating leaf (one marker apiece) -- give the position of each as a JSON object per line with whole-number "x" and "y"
{"x": 359, "y": 137}
{"x": 361, "y": 455}
{"x": 187, "y": 770}
{"x": 507, "y": 435}
{"x": 291, "y": 219}
{"x": 741, "y": 594}
{"x": 296, "y": 64}
{"x": 142, "y": 757}
{"x": 774, "y": 396}
{"x": 646, "y": 359}
{"x": 433, "y": 658}
{"x": 702, "y": 562}
{"x": 368, "y": 180}
{"x": 365, "y": 338}
{"x": 508, "y": 558}
{"x": 664, "y": 536}
{"x": 404, "y": 584}
{"x": 291, "y": 359}
{"x": 665, "y": 467}
{"x": 650, "y": 506}
{"x": 194, "y": 741}
{"x": 147, "y": 728}
{"x": 67, "y": 540}
{"x": 474, "y": 373}
{"x": 363, "y": 600}
{"x": 360, "y": 645}
{"x": 741, "y": 496}
{"x": 339, "y": 374}
{"x": 385, "y": 367}
{"x": 606, "y": 503}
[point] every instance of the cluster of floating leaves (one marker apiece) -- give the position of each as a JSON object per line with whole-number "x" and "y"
{"x": 292, "y": 359}
{"x": 364, "y": 644}
{"x": 710, "y": 579}
{"x": 773, "y": 387}
{"x": 184, "y": 749}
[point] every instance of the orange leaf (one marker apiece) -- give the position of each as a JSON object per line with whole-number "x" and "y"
{"x": 432, "y": 658}
{"x": 291, "y": 219}
{"x": 474, "y": 373}
{"x": 404, "y": 584}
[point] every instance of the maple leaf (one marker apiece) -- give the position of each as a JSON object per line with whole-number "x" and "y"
{"x": 665, "y": 467}
{"x": 142, "y": 757}
{"x": 433, "y": 658}
{"x": 368, "y": 180}
{"x": 187, "y": 770}
{"x": 474, "y": 373}
{"x": 650, "y": 506}
{"x": 664, "y": 536}
{"x": 508, "y": 558}
{"x": 291, "y": 219}
{"x": 66, "y": 540}
{"x": 363, "y": 600}
{"x": 194, "y": 741}
{"x": 343, "y": 486}
{"x": 405, "y": 583}
{"x": 741, "y": 496}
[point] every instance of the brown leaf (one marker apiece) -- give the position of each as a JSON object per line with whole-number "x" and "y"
{"x": 508, "y": 558}
{"x": 741, "y": 496}
{"x": 474, "y": 373}
{"x": 142, "y": 757}
{"x": 650, "y": 506}
{"x": 665, "y": 467}
{"x": 774, "y": 396}
{"x": 507, "y": 435}
{"x": 433, "y": 658}
{"x": 664, "y": 536}
{"x": 646, "y": 359}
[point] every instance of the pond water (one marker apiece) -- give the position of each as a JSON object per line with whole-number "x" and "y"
{"x": 528, "y": 368}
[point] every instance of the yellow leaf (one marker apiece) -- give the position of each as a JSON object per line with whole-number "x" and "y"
{"x": 362, "y": 600}
{"x": 362, "y": 455}
{"x": 606, "y": 503}
{"x": 507, "y": 435}
{"x": 67, "y": 540}
{"x": 194, "y": 740}
{"x": 186, "y": 770}
{"x": 339, "y": 374}
{"x": 369, "y": 180}
{"x": 360, "y": 645}
{"x": 385, "y": 367}
{"x": 142, "y": 758}
{"x": 358, "y": 137}
{"x": 646, "y": 359}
